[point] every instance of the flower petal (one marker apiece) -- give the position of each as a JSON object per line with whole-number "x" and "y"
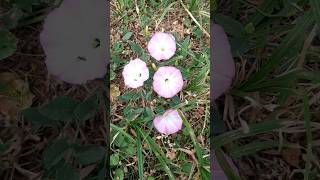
{"x": 223, "y": 64}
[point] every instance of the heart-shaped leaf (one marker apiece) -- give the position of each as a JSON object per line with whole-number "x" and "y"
{"x": 60, "y": 109}
{"x": 8, "y": 44}
{"x": 88, "y": 154}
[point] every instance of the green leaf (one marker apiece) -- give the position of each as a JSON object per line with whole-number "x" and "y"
{"x": 102, "y": 169}
{"x": 129, "y": 96}
{"x": 127, "y": 36}
{"x": 231, "y": 26}
{"x": 118, "y": 48}
{"x": 135, "y": 48}
{"x": 249, "y": 28}
{"x": 54, "y": 153}
{"x": 114, "y": 159}
{"x": 60, "y": 109}
{"x": 88, "y": 154}
{"x": 120, "y": 141}
{"x": 239, "y": 45}
{"x": 225, "y": 165}
{"x": 8, "y": 44}
{"x": 130, "y": 150}
{"x": 119, "y": 174}
{"x": 185, "y": 46}
{"x": 36, "y": 118}
{"x": 67, "y": 172}
{"x": 131, "y": 113}
{"x": 87, "y": 109}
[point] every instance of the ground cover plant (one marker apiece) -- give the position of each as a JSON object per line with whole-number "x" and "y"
{"x": 143, "y": 145}
{"x": 268, "y": 122}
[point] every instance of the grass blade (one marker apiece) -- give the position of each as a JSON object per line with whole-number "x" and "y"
{"x": 255, "y": 147}
{"x": 307, "y": 119}
{"x": 290, "y": 41}
{"x": 225, "y": 165}
{"x": 192, "y": 136}
{"x": 254, "y": 129}
{"x": 191, "y": 6}
{"x": 156, "y": 150}
{"x": 165, "y": 11}
{"x": 122, "y": 132}
{"x": 315, "y": 6}
{"x": 140, "y": 157}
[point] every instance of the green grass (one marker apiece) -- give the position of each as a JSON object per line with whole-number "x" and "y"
{"x": 132, "y": 23}
{"x": 271, "y": 95}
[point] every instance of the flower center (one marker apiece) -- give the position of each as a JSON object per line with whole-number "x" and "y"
{"x": 139, "y": 76}
{"x": 161, "y": 49}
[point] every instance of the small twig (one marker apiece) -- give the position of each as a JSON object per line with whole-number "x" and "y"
{"x": 191, "y": 154}
{"x": 27, "y": 173}
{"x": 138, "y": 12}
{"x": 194, "y": 19}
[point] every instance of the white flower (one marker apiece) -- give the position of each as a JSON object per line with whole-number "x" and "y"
{"x": 74, "y": 40}
{"x": 162, "y": 46}
{"x": 167, "y": 81}
{"x": 135, "y": 73}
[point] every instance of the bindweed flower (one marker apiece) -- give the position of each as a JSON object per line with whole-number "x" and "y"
{"x": 135, "y": 73}
{"x": 167, "y": 81}
{"x": 223, "y": 66}
{"x": 169, "y": 123}
{"x": 162, "y": 46}
{"x": 74, "y": 41}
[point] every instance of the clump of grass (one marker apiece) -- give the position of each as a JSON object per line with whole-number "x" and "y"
{"x": 271, "y": 113}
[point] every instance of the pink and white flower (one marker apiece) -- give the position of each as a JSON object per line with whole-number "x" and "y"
{"x": 169, "y": 123}
{"x": 135, "y": 73}
{"x": 162, "y": 46}
{"x": 167, "y": 81}
{"x": 222, "y": 62}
